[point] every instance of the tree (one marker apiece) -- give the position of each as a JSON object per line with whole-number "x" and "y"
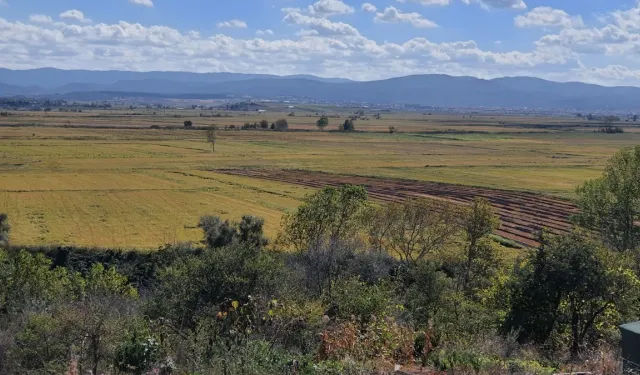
{"x": 414, "y": 228}
{"x": 264, "y": 124}
{"x": 571, "y": 284}
{"x": 100, "y": 314}
{"x": 610, "y": 120}
{"x": 478, "y": 223}
{"x": 188, "y": 124}
{"x": 392, "y": 130}
{"x": 323, "y": 231}
{"x": 281, "y": 125}
{"x": 251, "y": 231}
{"x": 322, "y": 123}
{"x": 212, "y": 136}
{"x": 5, "y": 228}
{"x": 327, "y": 216}
{"x": 196, "y": 286}
{"x": 610, "y": 205}
{"x": 348, "y": 125}
{"x": 28, "y": 280}
{"x": 217, "y": 233}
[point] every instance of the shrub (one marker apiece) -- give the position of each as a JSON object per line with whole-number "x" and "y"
{"x": 281, "y": 125}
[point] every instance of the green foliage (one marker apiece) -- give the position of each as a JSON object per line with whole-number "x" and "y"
{"x": 428, "y": 293}
{"x": 195, "y": 286}
{"x": 100, "y": 282}
{"x": 352, "y": 298}
{"x": 611, "y": 204}
{"x": 137, "y": 353}
{"x": 327, "y": 216}
{"x": 281, "y": 125}
{"x": 348, "y": 125}
{"x": 188, "y": 124}
{"x": 413, "y": 229}
{"x": 41, "y": 346}
{"x": 322, "y": 123}
{"x": 463, "y": 361}
{"x": 251, "y": 231}
{"x": 570, "y": 285}
{"x": 479, "y": 263}
{"x": 5, "y": 228}
{"x": 54, "y": 312}
{"x": 264, "y": 124}
{"x": 218, "y": 233}
{"x": 28, "y": 281}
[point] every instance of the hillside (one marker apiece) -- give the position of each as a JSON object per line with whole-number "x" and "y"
{"x": 430, "y": 90}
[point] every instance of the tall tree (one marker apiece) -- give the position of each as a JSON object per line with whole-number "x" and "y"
{"x": 414, "y": 228}
{"x": 322, "y": 123}
{"x": 572, "y": 283}
{"x": 348, "y": 125}
{"x": 329, "y": 215}
{"x": 478, "y": 223}
{"x": 212, "y": 137}
{"x": 610, "y": 205}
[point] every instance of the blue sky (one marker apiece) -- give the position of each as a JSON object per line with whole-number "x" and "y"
{"x": 585, "y": 40}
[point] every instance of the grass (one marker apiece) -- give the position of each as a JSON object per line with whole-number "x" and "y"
{"x": 141, "y": 188}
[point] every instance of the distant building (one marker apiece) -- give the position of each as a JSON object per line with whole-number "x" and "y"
{"x": 262, "y": 110}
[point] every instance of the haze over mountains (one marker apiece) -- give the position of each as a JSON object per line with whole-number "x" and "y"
{"x": 431, "y": 90}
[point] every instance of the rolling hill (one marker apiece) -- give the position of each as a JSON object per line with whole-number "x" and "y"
{"x": 432, "y": 90}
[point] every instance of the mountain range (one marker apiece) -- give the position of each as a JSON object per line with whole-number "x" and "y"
{"x": 431, "y": 90}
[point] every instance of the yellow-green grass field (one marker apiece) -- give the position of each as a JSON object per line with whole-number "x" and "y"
{"x": 141, "y": 188}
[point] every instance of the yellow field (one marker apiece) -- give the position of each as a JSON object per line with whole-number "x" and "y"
{"x": 143, "y": 188}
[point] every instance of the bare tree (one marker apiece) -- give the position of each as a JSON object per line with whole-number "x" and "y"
{"x": 212, "y": 137}
{"x": 415, "y": 228}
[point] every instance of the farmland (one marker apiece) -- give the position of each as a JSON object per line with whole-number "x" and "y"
{"x": 103, "y": 179}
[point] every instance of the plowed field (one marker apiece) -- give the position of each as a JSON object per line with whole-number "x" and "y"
{"x": 523, "y": 214}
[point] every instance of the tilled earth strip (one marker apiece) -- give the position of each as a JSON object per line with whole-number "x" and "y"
{"x": 523, "y": 214}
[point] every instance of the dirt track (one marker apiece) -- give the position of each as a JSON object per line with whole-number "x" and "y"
{"x": 523, "y": 215}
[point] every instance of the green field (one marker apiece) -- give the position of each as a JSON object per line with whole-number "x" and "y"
{"x": 143, "y": 188}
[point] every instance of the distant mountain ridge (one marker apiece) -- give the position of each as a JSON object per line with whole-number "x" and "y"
{"x": 51, "y": 78}
{"x": 433, "y": 90}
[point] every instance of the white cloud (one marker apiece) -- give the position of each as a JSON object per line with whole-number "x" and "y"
{"x": 146, "y": 3}
{"x": 427, "y": 2}
{"x": 548, "y": 17}
{"x": 76, "y": 15}
{"x": 368, "y": 7}
{"x": 40, "y": 18}
{"x": 324, "y": 48}
{"x": 327, "y": 8}
{"x": 265, "y": 32}
{"x": 233, "y": 24}
{"x": 609, "y": 40}
{"x": 627, "y": 19}
{"x": 322, "y": 25}
{"x": 393, "y": 15}
{"x": 317, "y": 45}
{"x": 498, "y": 4}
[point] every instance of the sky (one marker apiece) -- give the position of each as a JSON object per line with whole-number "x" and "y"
{"x": 596, "y": 41}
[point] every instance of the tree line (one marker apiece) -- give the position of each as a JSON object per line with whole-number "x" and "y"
{"x": 349, "y": 286}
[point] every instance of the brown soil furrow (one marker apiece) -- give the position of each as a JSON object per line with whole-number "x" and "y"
{"x": 523, "y": 214}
